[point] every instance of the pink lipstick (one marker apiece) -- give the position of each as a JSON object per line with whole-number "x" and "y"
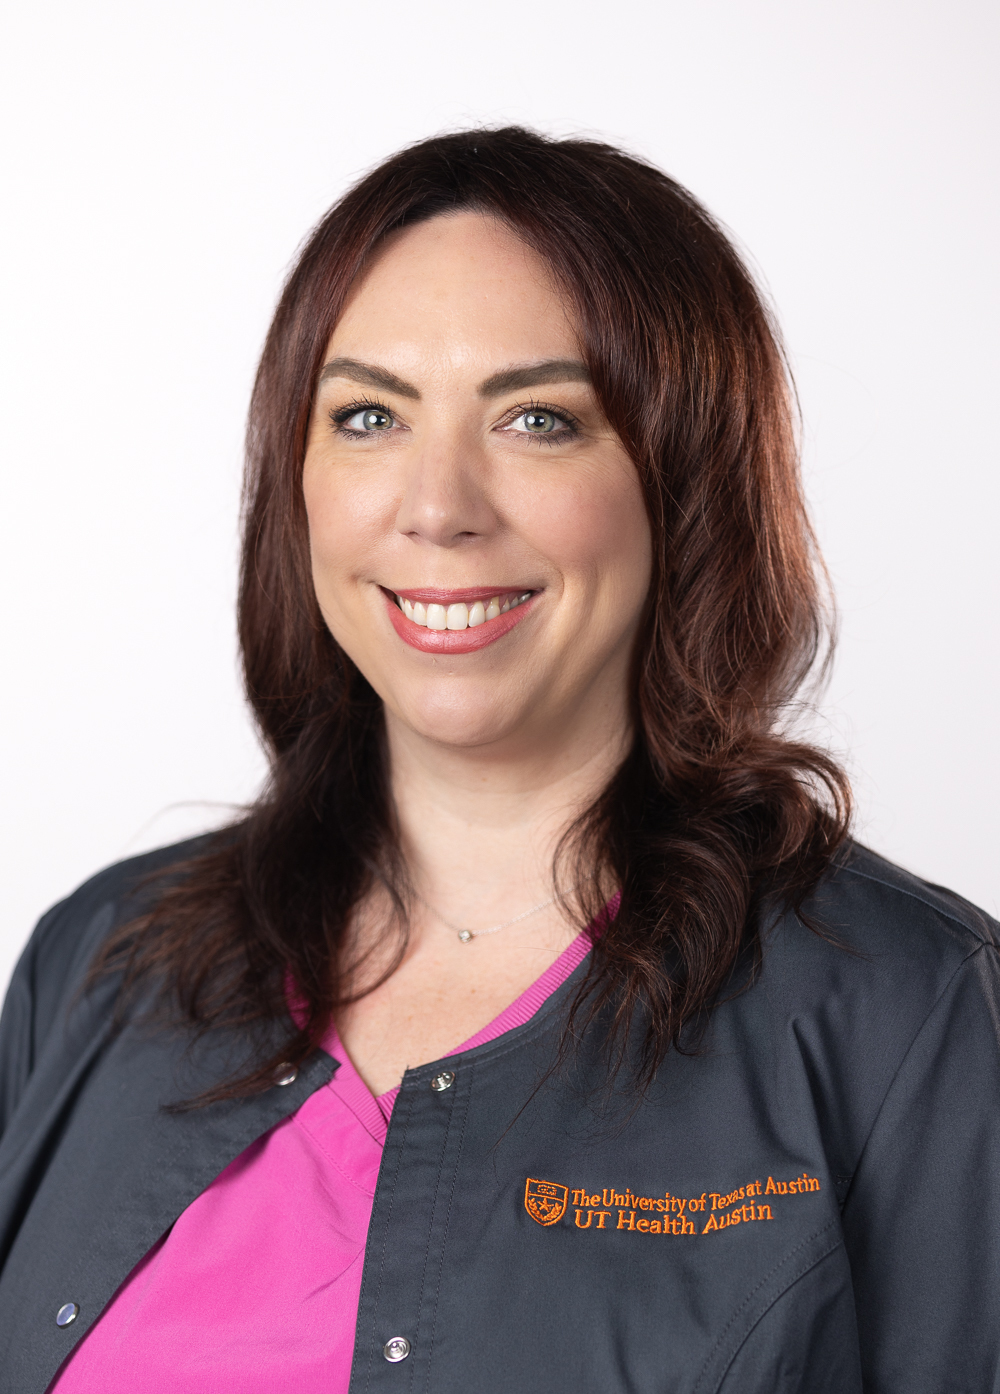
{"x": 456, "y": 621}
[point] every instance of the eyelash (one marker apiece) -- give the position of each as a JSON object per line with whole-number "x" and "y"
{"x": 343, "y": 414}
{"x": 570, "y": 429}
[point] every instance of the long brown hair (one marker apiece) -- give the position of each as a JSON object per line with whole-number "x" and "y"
{"x": 714, "y": 811}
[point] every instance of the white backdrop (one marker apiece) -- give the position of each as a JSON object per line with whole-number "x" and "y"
{"x": 161, "y": 162}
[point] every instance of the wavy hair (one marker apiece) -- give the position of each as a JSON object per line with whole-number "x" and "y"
{"x": 715, "y": 811}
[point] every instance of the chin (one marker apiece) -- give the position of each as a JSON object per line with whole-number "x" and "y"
{"x": 462, "y": 724}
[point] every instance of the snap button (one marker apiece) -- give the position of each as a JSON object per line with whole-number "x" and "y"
{"x": 68, "y": 1312}
{"x": 289, "y": 1074}
{"x": 443, "y": 1081}
{"x": 397, "y": 1348}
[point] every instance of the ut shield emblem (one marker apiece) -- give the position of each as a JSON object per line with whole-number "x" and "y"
{"x": 545, "y": 1201}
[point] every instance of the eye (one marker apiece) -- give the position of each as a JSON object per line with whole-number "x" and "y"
{"x": 370, "y": 419}
{"x": 539, "y": 423}
{"x": 544, "y": 422}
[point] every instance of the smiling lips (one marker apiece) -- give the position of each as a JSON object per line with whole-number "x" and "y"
{"x": 458, "y": 621}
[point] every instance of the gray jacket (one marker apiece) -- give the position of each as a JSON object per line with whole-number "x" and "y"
{"x": 811, "y": 1203}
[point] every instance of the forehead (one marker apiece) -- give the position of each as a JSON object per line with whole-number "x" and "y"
{"x": 459, "y": 287}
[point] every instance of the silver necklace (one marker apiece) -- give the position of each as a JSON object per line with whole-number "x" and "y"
{"x": 466, "y": 935}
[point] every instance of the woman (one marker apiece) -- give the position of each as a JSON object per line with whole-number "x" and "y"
{"x": 538, "y": 1029}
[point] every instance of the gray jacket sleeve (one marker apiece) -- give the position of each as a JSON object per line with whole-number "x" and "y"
{"x": 53, "y": 968}
{"x": 30, "y": 1006}
{"x": 922, "y": 1215}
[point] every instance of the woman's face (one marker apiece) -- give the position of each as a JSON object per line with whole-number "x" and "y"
{"x": 480, "y": 545}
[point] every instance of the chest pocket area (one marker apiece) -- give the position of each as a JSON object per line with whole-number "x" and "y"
{"x": 795, "y": 1333}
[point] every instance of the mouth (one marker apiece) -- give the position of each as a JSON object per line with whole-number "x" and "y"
{"x": 458, "y": 621}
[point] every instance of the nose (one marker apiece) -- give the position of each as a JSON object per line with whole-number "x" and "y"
{"x": 445, "y": 499}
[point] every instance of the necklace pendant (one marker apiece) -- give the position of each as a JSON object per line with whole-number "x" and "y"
{"x": 465, "y": 935}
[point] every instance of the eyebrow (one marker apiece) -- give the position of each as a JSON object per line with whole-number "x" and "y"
{"x": 370, "y": 375}
{"x": 509, "y": 380}
{"x": 533, "y": 375}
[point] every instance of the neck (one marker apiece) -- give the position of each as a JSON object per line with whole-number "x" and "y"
{"x": 479, "y": 827}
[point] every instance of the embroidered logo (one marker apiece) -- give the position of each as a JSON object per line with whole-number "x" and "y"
{"x": 545, "y": 1201}
{"x": 610, "y": 1209}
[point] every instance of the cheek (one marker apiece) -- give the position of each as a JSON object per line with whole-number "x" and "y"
{"x": 345, "y": 516}
{"x": 595, "y": 528}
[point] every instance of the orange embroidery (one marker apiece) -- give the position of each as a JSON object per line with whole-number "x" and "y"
{"x": 743, "y": 1214}
{"x": 789, "y": 1188}
{"x": 545, "y": 1201}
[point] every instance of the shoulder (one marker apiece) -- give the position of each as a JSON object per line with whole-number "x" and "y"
{"x": 878, "y": 946}
{"x": 59, "y": 953}
{"x": 880, "y": 908}
{"x": 51, "y": 974}
{"x": 880, "y": 985}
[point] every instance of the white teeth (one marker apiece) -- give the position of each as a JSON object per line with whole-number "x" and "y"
{"x": 458, "y": 616}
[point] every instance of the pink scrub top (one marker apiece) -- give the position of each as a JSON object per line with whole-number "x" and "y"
{"x": 256, "y": 1285}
